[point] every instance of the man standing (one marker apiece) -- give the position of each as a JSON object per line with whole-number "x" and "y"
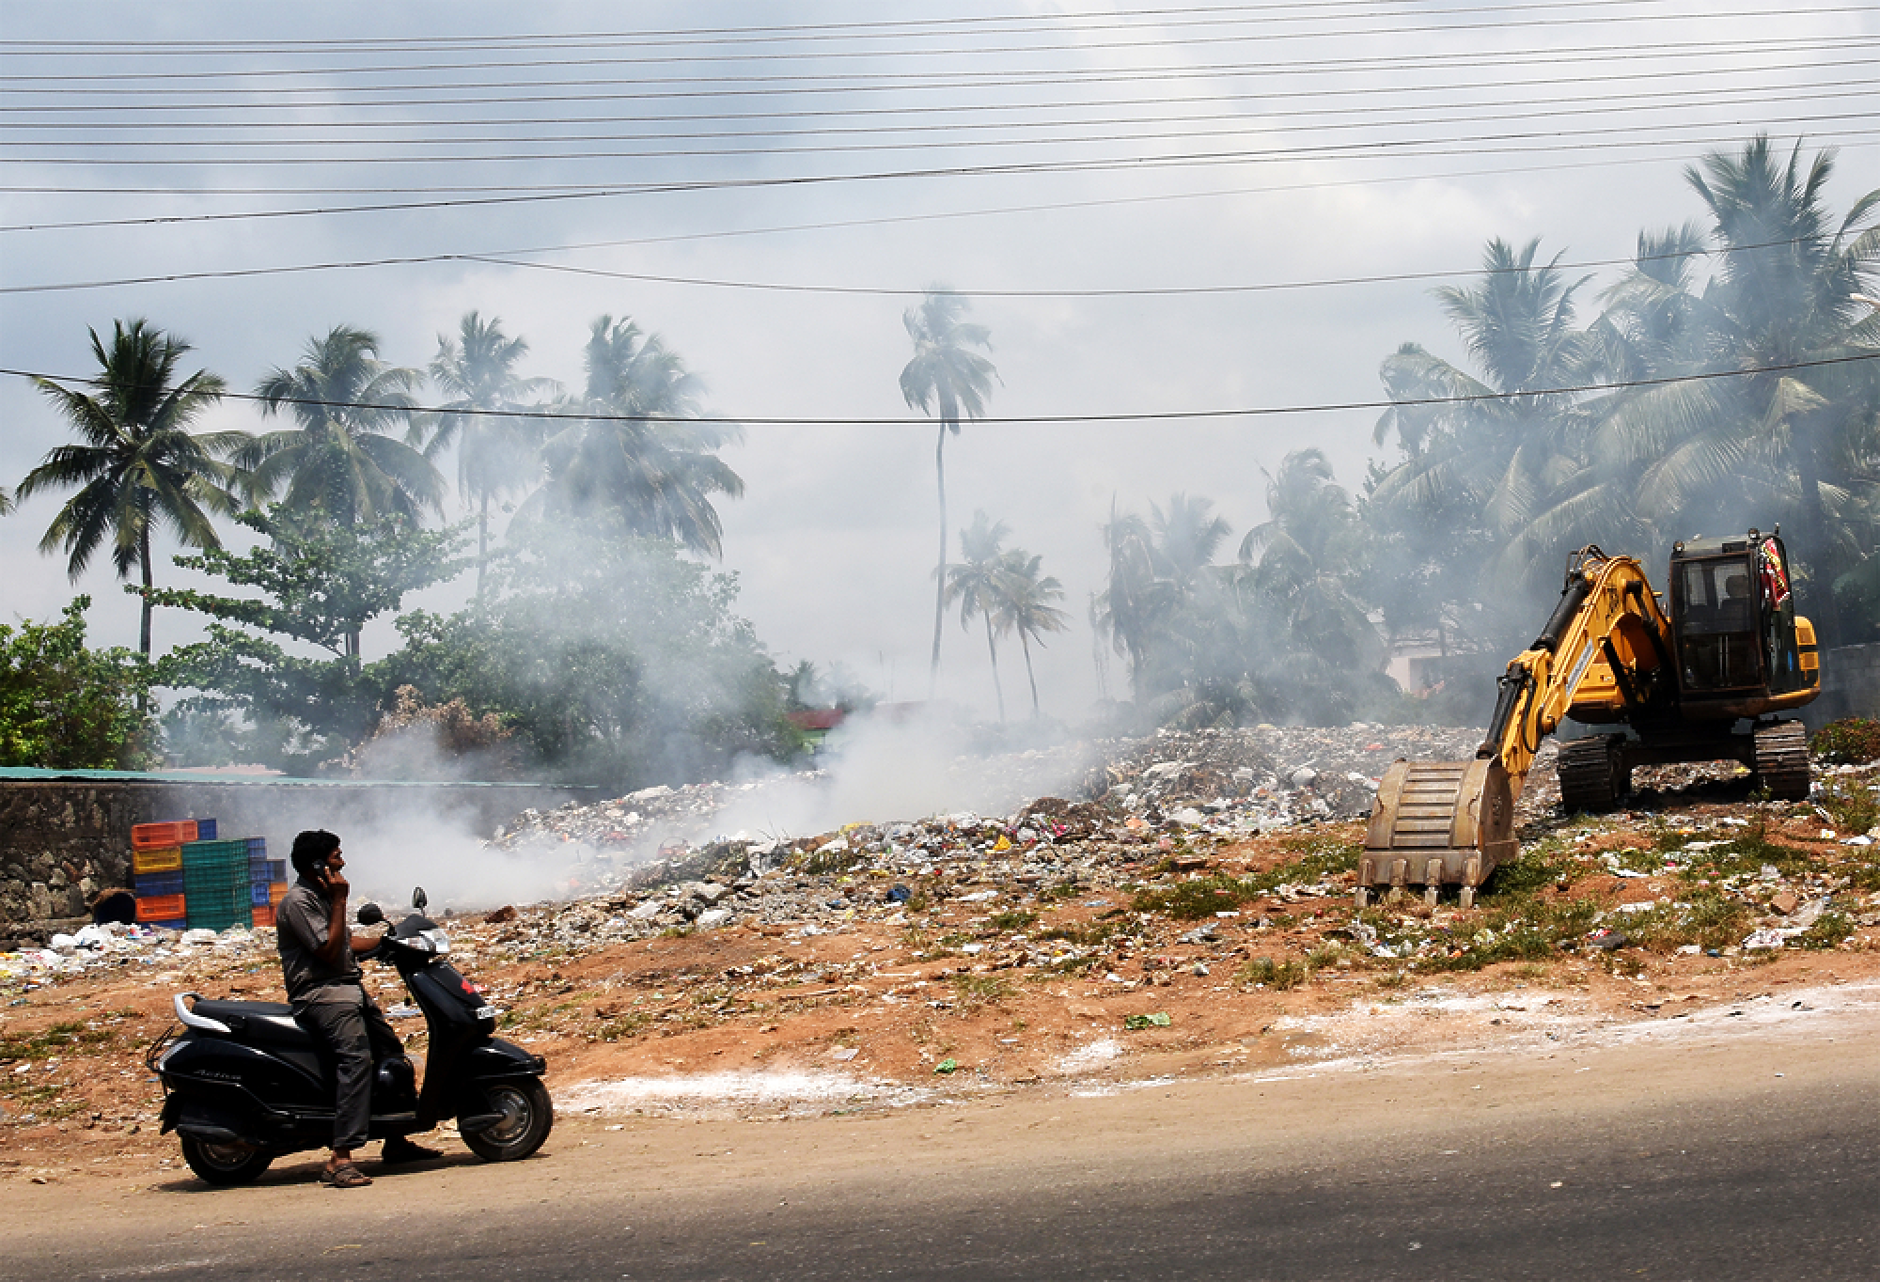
{"x": 323, "y": 983}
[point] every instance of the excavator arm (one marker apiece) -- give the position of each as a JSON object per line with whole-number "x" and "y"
{"x": 1452, "y": 822}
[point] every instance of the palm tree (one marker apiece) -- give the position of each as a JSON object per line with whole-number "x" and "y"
{"x": 948, "y": 377}
{"x": 138, "y": 464}
{"x": 1025, "y": 607}
{"x": 1304, "y": 556}
{"x": 340, "y": 461}
{"x": 1505, "y": 454}
{"x": 976, "y": 583}
{"x": 641, "y": 457}
{"x": 1791, "y": 290}
{"x": 495, "y": 452}
{"x": 1187, "y": 536}
{"x": 1133, "y": 607}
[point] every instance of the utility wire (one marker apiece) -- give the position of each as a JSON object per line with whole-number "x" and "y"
{"x": 925, "y": 117}
{"x": 1504, "y": 144}
{"x": 1136, "y": 43}
{"x": 1657, "y": 127}
{"x": 953, "y": 81}
{"x": 1186, "y": 15}
{"x": 1162, "y": 416}
{"x": 963, "y": 134}
{"x": 840, "y": 225}
{"x": 828, "y": 33}
{"x": 1501, "y": 109}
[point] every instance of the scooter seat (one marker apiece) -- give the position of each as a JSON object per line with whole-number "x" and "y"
{"x": 272, "y": 1023}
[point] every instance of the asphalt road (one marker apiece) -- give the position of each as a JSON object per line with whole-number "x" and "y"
{"x": 1723, "y": 1157}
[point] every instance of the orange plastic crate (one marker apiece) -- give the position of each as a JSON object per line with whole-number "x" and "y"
{"x": 263, "y": 916}
{"x": 160, "y": 908}
{"x": 164, "y": 859}
{"x": 277, "y": 891}
{"x": 159, "y": 836}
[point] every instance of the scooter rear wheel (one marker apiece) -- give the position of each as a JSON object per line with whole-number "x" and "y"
{"x": 527, "y": 1116}
{"x": 226, "y": 1164}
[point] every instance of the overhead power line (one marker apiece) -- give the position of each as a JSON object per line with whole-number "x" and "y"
{"x": 1500, "y": 145}
{"x": 1138, "y": 41}
{"x": 1157, "y": 416}
{"x": 663, "y": 88}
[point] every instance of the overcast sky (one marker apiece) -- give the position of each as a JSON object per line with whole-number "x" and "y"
{"x": 1158, "y": 212}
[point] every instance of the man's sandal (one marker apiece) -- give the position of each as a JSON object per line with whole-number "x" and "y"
{"x": 344, "y": 1176}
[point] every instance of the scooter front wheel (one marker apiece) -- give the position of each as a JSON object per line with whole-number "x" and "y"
{"x": 226, "y": 1164}
{"x": 527, "y": 1116}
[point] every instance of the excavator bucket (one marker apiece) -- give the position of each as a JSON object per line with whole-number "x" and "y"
{"x": 1438, "y": 823}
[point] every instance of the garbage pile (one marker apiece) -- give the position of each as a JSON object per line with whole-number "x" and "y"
{"x": 1212, "y": 782}
{"x": 114, "y": 946}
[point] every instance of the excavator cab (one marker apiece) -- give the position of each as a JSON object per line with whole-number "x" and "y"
{"x": 1734, "y": 619}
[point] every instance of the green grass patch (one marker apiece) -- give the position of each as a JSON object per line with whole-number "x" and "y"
{"x": 56, "y": 1040}
{"x": 974, "y": 992}
{"x": 1707, "y": 919}
{"x": 1851, "y": 804}
{"x": 624, "y": 1026}
{"x": 1280, "y": 975}
{"x": 1009, "y": 923}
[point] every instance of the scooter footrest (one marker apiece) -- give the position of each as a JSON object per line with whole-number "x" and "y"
{"x": 477, "y": 1122}
{"x": 394, "y": 1119}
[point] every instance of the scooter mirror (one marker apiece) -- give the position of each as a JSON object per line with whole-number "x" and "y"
{"x": 418, "y": 899}
{"x": 371, "y": 915}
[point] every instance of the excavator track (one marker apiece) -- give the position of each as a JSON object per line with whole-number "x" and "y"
{"x": 1781, "y": 760}
{"x": 1592, "y": 773}
{"x": 1437, "y": 823}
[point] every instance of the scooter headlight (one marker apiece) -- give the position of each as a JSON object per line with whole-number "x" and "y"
{"x": 439, "y": 942}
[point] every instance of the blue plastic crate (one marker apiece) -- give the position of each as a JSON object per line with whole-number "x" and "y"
{"x": 256, "y": 846}
{"x": 150, "y": 884}
{"x": 205, "y": 830}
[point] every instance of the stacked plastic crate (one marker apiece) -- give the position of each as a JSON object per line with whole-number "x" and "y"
{"x": 157, "y": 871}
{"x": 267, "y": 881}
{"x": 215, "y": 882}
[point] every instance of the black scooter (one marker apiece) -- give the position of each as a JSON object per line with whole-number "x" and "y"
{"x": 245, "y": 1083}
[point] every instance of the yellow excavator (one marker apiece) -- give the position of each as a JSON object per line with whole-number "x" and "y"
{"x": 1731, "y": 649}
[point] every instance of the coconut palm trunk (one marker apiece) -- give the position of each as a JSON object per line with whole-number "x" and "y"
{"x": 992, "y": 652}
{"x": 940, "y": 570}
{"x": 1025, "y": 647}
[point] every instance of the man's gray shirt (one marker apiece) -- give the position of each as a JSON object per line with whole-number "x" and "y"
{"x": 300, "y": 922}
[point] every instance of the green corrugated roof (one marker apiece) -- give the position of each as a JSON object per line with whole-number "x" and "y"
{"x": 33, "y": 774}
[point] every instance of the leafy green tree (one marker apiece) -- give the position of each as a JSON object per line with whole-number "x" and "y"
{"x": 138, "y": 466}
{"x": 316, "y": 586}
{"x": 1025, "y": 607}
{"x": 642, "y": 461}
{"x": 945, "y": 377}
{"x": 976, "y": 583}
{"x": 614, "y": 660}
{"x": 64, "y": 706}
{"x": 340, "y": 458}
{"x": 497, "y": 450}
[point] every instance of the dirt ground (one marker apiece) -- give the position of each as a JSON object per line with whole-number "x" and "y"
{"x": 890, "y": 1010}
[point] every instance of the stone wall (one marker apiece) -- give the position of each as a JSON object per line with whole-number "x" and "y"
{"x": 61, "y": 839}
